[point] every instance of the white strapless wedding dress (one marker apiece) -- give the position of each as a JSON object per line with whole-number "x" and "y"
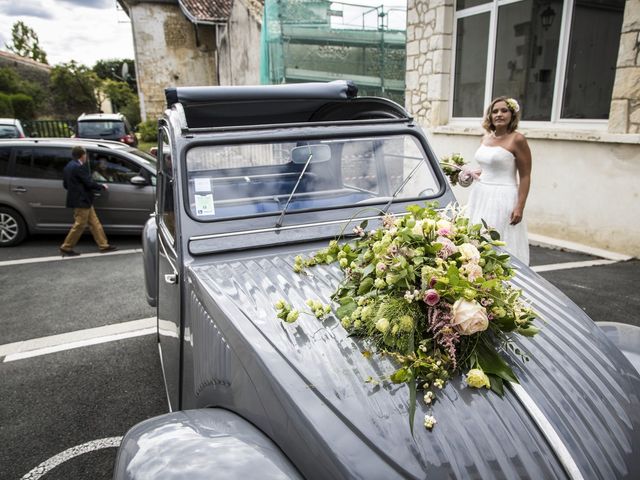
{"x": 494, "y": 196}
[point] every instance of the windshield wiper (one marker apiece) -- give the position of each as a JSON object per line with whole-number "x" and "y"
{"x": 395, "y": 194}
{"x": 295, "y": 187}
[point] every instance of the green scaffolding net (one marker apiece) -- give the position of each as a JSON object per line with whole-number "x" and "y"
{"x": 319, "y": 41}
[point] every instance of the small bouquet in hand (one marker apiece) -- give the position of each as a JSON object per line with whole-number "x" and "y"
{"x": 457, "y": 170}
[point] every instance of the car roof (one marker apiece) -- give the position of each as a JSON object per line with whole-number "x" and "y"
{"x": 101, "y": 116}
{"x": 66, "y": 142}
{"x": 9, "y": 121}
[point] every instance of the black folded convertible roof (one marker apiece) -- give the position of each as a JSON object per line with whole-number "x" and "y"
{"x": 212, "y": 107}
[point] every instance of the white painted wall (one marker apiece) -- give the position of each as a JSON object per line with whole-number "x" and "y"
{"x": 584, "y": 189}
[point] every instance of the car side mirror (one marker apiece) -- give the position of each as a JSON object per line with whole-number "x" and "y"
{"x": 139, "y": 180}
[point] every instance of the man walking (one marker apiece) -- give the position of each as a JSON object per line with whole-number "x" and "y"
{"x": 80, "y": 187}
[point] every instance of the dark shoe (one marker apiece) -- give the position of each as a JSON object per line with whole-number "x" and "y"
{"x": 110, "y": 248}
{"x": 68, "y": 253}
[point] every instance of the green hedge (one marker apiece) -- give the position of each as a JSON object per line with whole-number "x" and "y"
{"x": 6, "y": 108}
{"x": 148, "y": 131}
{"x": 24, "y": 107}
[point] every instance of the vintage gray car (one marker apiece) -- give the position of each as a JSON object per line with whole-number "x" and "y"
{"x": 248, "y": 179}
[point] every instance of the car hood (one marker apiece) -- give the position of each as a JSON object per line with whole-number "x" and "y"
{"x": 316, "y": 388}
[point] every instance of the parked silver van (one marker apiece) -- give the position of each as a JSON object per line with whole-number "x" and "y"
{"x": 32, "y": 198}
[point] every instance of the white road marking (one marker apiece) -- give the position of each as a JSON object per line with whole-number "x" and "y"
{"x": 556, "y": 243}
{"x": 58, "y": 258}
{"x": 68, "y": 454}
{"x": 80, "y": 338}
{"x": 568, "y": 265}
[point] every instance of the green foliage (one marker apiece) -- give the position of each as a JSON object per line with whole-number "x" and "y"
{"x": 6, "y": 109}
{"x": 148, "y": 131}
{"x": 112, "y": 70}
{"x": 73, "y": 87}
{"x": 132, "y": 111}
{"x": 122, "y": 99}
{"x": 24, "y": 107}
{"x": 24, "y": 42}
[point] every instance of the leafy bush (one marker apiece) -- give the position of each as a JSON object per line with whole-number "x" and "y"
{"x": 148, "y": 131}
{"x": 6, "y": 108}
{"x": 24, "y": 107}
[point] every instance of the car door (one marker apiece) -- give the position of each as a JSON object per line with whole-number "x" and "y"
{"x": 169, "y": 296}
{"x": 124, "y": 206}
{"x": 36, "y": 185}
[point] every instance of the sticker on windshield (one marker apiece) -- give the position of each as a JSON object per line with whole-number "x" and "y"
{"x": 204, "y": 205}
{"x": 202, "y": 184}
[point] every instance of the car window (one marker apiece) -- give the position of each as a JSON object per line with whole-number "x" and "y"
{"x": 9, "y": 131}
{"x": 5, "y": 155}
{"x": 111, "y": 168}
{"x": 251, "y": 179}
{"x": 166, "y": 207}
{"x": 100, "y": 128}
{"x": 46, "y": 162}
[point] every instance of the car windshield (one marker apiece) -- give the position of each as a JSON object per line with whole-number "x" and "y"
{"x": 9, "y": 131}
{"x": 258, "y": 179}
{"x": 100, "y": 129}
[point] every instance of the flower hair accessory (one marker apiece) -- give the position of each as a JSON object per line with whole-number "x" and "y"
{"x": 513, "y": 104}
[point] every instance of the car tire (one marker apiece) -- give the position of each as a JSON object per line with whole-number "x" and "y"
{"x": 13, "y": 229}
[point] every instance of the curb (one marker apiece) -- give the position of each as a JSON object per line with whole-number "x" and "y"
{"x": 557, "y": 244}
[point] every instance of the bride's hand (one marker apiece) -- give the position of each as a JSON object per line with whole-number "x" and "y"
{"x": 516, "y": 216}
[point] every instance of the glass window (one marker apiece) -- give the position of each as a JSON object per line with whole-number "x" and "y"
{"x": 9, "y": 131}
{"x": 5, "y": 155}
{"x": 165, "y": 195}
{"x": 526, "y": 56}
{"x": 471, "y": 65}
{"x": 589, "y": 83}
{"x": 524, "y": 53}
{"x": 46, "y": 163}
{"x": 462, "y": 4}
{"x": 100, "y": 129}
{"x": 260, "y": 179}
{"x": 111, "y": 169}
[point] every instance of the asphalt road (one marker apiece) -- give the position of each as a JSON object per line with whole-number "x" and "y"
{"x": 64, "y": 409}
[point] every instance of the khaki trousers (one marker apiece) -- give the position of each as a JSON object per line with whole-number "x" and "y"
{"x": 83, "y": 217}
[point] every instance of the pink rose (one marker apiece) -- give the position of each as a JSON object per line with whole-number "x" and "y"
{"x": 448, "y": 247}
{"x": 469, "y": 317}
{"x": 431, "y": 297}
{"x": 472, "y": 270}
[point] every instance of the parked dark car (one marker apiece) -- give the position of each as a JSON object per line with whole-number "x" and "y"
{"x": 252, "y": 177}
{"x": 106, "y": 126}
{"x": 32, "y": 198}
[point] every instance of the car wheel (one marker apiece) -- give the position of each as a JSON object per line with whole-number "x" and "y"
{"x": 13, "y": 230}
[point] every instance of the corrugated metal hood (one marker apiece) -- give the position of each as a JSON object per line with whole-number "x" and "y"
{"x": 583, "y": 385}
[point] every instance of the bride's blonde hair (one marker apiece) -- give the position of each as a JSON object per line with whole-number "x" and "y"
{"x": 488, "y": 125}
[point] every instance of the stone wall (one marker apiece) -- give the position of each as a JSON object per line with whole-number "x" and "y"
{"x": 624, "y": 116}
{"x": 239, "y": 49}
{"x": 169, "y": 53}
{"x": 428, "y": 74}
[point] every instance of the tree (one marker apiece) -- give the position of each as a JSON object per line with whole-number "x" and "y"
{"x": 74, "y": 88}
{"x": 25, "y": 43}
{"x": 113, "y": 70}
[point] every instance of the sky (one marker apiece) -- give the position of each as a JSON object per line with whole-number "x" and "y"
{"x": 80, "y": 30}
{"x": 85, "y": 30}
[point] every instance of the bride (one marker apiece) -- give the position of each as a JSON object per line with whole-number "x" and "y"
{"x": 497, "y": 196}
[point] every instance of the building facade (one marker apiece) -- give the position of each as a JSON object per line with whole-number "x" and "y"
{"x": 192, "y": 42}
{"x": 574, "y": 66}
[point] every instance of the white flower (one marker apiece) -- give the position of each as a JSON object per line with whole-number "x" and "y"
{"x": 472, "y": 270}
{"x": 418, "y": 228}
{"x": 513, "y": 104}
{"x": 469, "y": 253}
{"x": 469, "y": 317}
{"x": 429, "y": 421}
{"x": 428, "y": 397}
{"x": 382, "y": 325}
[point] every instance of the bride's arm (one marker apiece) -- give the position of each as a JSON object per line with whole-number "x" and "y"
{"x": 523, "y": 164}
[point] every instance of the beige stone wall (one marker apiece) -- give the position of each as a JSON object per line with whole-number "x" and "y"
{"x": 428, "y": 74}
{"x": 624, "y": 116}
{"x": 168, "y": 54}
{"x": 239, "y": 50}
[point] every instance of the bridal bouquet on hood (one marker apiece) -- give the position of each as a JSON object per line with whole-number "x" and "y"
{"x": 431, "y": 291}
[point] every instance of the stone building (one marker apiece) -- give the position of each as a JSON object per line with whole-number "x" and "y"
{"x": 575, "y": 68}
{"x": 192, "y": 42}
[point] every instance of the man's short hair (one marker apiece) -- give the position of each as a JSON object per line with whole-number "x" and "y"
{"x": 77, "y": 152}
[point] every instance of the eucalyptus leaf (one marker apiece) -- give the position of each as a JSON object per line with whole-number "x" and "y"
{"x": 365, "y": 286}
{"x": 346, "y": 309}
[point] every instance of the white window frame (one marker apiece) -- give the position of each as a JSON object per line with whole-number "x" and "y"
{"x": 558, "y": 87}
